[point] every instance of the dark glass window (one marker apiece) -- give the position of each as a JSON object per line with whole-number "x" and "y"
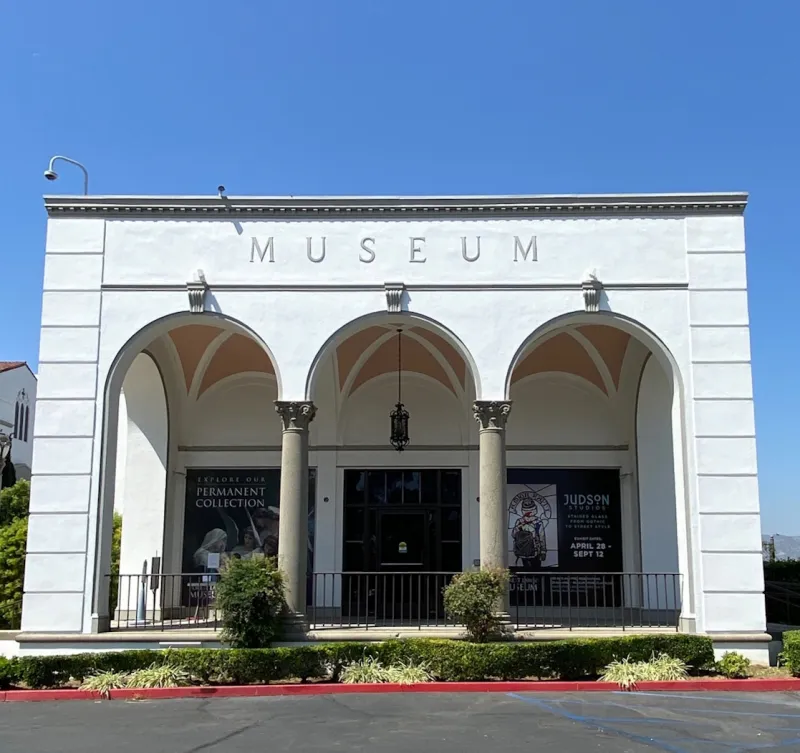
{"x": 368, "y": 495}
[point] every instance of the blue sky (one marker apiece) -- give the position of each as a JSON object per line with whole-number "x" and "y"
{"x": 419, "y": 97}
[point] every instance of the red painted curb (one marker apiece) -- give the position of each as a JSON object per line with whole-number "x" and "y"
{"x": 547, "y": 686}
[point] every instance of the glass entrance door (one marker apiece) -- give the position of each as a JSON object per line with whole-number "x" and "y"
{"x": 403, "y": 541}
{"x": 402, "y": 537}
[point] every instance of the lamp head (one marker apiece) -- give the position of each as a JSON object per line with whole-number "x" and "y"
{"x": 50, "y": 174}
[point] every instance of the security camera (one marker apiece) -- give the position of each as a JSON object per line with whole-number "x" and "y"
{"x": 221, "y": 190}
{"x": 50, "y": 174}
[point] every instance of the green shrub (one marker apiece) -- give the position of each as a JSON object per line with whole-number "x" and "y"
{"x": 791, "y": 651}
{"x": 13, "y": 538}
{"x": 473, "y": 598}
{"x": 104, "y": 682}
{"x": 442, "y": 659}
{"x": 7, "y": 673}
{"x": 159, "y": 676}
{"x": 408, "y": 673}
{"x": 662, "y": 668}
{"x": 14, "y": 502}
{"x": 734, "y": 666}
{"x": 367, "y": 669}
{"x": 250, "y": 595}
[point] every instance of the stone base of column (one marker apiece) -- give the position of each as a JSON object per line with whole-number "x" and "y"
{"x": 687, "y": 625}
{"x": 295, "y": 626}
{"x": 101, "y": 623}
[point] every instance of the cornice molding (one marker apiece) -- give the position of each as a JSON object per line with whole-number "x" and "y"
{"x": 323, "y": 207}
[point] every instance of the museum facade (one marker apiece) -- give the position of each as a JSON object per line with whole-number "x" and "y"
{"x": 386, "y": 391}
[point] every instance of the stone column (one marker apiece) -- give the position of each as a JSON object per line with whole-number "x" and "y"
{"x": 293, "y": 524}
{"x": 491, "y": 417}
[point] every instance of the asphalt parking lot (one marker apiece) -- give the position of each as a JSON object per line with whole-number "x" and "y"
{"x": 385, "y": 723}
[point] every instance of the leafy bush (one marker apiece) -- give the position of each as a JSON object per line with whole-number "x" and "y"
{"x": 13, "y": 538}
{"x": 472, "y": 599}
{"x": 661, "y": 668}
{"x": 14, "y": 502}
{"x": 7, "y": 673}
{"x": 368, "y": 669}
{"x": 668, "y": 668}
{"x": 791, "y": 651}
{"x": 104, "y": 682}
{"x": 159, "y": 676}
{"x": 250, "y": 594}
{"x": 408, "y": 673}
{"x": 734, "y": 666}
{"x": 443, "y": 659}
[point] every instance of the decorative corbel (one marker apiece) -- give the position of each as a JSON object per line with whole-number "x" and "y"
{"x": 197, "y": 290}
{"x": 394, "y": 296}
{"x": 592, "y": 288}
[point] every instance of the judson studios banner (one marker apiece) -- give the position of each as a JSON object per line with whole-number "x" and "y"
{"x": 564, "y": 520}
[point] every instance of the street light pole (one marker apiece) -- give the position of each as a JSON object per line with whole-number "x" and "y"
{"x": 51, "y": 174}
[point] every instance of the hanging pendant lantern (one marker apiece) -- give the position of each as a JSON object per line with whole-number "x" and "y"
{"x": 399, "y": 416}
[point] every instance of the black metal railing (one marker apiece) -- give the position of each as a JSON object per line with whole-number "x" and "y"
{"x": 379, "y": 599}
{"x": 413, "y": 600}
{"x": 165, "y": 601}
{"x": 595, "y": 600}
{"x": 782, "y": 601}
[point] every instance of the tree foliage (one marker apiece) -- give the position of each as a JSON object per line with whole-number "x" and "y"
{"x": 13, "y": 538}
{"x": 116, "y": 545}
{"x": 14, "y": 504}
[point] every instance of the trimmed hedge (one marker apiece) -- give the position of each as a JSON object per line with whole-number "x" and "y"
{"x": 449, "y": 660}
{"x": 791, "y": 651}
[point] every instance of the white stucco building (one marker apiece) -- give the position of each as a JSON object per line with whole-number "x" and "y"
{"x": 17, "y": 409}
{"x": 601, "y": 342}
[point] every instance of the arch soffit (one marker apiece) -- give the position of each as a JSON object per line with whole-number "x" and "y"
{"x": 413, "y": 325}
{"x": 583, "y": 322}
{"x": 378, "y": 356}
{"x": 150, "y": 332}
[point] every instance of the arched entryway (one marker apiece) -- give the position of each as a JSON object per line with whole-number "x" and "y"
{"x": 595, "y": 472}
{"x": 189, "y": 414}
{"x": 393, "y": 517}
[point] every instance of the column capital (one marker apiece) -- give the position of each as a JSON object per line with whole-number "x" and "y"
{"x": 491, "y": 414}
{"x": 295, "y": 414}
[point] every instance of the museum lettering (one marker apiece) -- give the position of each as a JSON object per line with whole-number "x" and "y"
{"x": 417, "y": 249}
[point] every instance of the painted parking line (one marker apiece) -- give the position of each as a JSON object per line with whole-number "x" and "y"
{"x": 599, "y": 725}
{"x": 704, "y": 697}
{"x": 672, "y": 745}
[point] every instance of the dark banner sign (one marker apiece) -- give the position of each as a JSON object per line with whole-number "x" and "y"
{"x": 564, "y": 520}
{"x": 234, "y": 512}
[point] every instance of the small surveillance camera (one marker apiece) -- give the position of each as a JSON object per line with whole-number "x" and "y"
{"x": 50, "y": 174}
{"x": 220, "y": 190}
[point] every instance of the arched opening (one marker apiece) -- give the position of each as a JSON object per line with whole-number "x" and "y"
{"x": 388, "y": 511}
{"x": 191, "y": 454}
{"x": 595, "y": 472}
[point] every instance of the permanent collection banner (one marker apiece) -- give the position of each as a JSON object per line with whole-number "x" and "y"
{"x": 234, "y": 513}
{"x": 564, "y": 521}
